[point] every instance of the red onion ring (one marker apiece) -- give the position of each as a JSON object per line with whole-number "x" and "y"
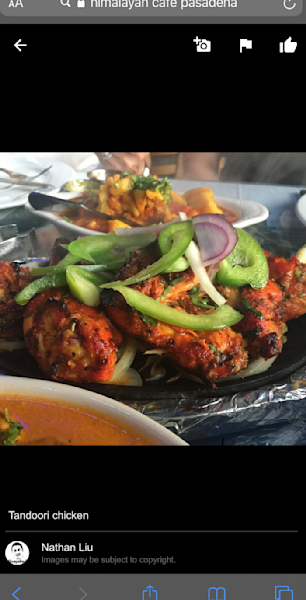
{"x": 216, "y": 237}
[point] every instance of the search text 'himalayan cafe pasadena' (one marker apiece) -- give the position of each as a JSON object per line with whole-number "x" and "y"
{"x": 130, "y": 4}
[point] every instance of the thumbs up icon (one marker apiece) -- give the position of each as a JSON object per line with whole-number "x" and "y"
{"x": 288, "y": 46}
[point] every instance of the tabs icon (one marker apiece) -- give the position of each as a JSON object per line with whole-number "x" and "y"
{"x": 217, "y": 593}
{"x": 282, "y": 592}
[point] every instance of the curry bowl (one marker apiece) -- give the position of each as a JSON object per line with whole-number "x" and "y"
{"x": 246, "y": 213}
{"x": 41, "y": 404}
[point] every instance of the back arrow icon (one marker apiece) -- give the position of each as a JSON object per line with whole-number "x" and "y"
{"x": 18, "y": 44}
{"x": 83, "y": 593}
{"x": 15, "y": 592}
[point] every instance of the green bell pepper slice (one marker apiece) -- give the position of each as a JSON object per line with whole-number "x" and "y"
{"x": 40, "y": 285}
{"x": 164, "y": 242}
{"x": 246, "y": 265}
{"x": 62, "y": 265}
{"x": 110, "y": 248}
{"x": 84, "y": 285}
{"x": 177, "y": 241}
{"x": 221, "y": 317}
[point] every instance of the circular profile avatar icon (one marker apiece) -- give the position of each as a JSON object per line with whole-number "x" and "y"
{"x": 17, "y": 553}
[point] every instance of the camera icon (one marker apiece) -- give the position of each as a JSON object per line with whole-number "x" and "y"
{"x": 202, "y": 45}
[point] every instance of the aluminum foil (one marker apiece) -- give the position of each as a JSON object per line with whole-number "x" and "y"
{"x": 12, "y": 248}
{"x": 274, "y": 415}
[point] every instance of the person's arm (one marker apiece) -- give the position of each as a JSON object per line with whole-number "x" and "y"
{"x": 201, "y": 165}
{"x": 133, "y": 162}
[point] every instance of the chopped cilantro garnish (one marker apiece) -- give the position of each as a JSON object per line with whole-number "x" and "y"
{"x": 66, "y": 219}
{"x": 147, "y": 320}
{"x": 254, "y": 310}
{"x": 140, "y": 182}
{"x": 197, "y": 300}
{"x": 214, "y": 349}
{"x": 11, "y": 434}
{"x": 167, "y": 290}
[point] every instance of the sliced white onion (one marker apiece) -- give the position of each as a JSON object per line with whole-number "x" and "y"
{"x": 6, "y": 346}
{"x": 157, "y": 376}
{"x": 131, "y": 377}
{"x": 123, "y": 375}
{"x": 194, "y": 258}
{"x": 158, "y": 351}
{"x": 124, "y": 363}
{"x": 212, "y": 270}
{"x": 216, "y": 237}
{"x": 257, "y": 366}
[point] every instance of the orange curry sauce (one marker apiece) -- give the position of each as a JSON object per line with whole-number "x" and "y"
{"x": 53, "y": 423}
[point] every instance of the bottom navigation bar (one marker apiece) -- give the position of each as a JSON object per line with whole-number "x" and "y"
{"x": 155, "y": 587}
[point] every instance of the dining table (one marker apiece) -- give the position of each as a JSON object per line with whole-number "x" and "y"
{"x": 272, "y": 416}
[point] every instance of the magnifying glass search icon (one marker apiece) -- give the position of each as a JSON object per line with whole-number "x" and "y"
{"x": 65, "y": 3}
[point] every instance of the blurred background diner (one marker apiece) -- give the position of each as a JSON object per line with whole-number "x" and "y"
{"x": 286, "y": 168}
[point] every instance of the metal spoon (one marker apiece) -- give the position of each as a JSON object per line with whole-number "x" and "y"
{"x": 43, "y": 202}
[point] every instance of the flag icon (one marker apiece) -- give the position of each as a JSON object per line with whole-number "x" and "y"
{"x": 217, "y": 593}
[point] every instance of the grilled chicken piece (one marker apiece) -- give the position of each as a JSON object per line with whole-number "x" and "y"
{"x": 70, "y": 341}
{"x": 58, "y": 252}
{"x": 206, "y": 354}
{"x": 291, "y": 276}
{"x": 13, "y": 279}
{"x": 263, "y": 321}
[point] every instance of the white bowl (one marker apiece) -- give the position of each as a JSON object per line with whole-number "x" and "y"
{"x": 247, "y": 212}
{"x": 300, "y": 209}
{"x": 110, "y": 409}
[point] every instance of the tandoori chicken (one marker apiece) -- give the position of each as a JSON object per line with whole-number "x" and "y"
{"x": 206, "y": 354}
{"x": 69, "y": 340}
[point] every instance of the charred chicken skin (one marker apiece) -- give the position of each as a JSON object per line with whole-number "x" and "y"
{"x": 12, "y": 280}
{"x": 70, "y": 341}
{"x": 282, "y": 299}
{"x": 290, "y": 275}
{"x": 264, "y": 316}
{"x": 206, "y": 354}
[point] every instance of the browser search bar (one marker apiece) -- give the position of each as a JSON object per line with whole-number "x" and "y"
{"x": 153, "y": 8}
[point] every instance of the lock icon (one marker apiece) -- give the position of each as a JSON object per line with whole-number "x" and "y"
{"x": 81, "y": 4}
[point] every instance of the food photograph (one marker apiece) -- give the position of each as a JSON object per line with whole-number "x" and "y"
{"x": 152, "y": 299}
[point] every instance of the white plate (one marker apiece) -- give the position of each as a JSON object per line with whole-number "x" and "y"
{"x": 247, "y": 212}
{"x": 30, "y": 166}
{"x": 300, "y": 209}
{"x": 67, "y": 229}
{"x": 110, "y": 409}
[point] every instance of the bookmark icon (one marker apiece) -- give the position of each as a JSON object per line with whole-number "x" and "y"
{"x": 149, "y": 592}
{"x": 217, "y": 593}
